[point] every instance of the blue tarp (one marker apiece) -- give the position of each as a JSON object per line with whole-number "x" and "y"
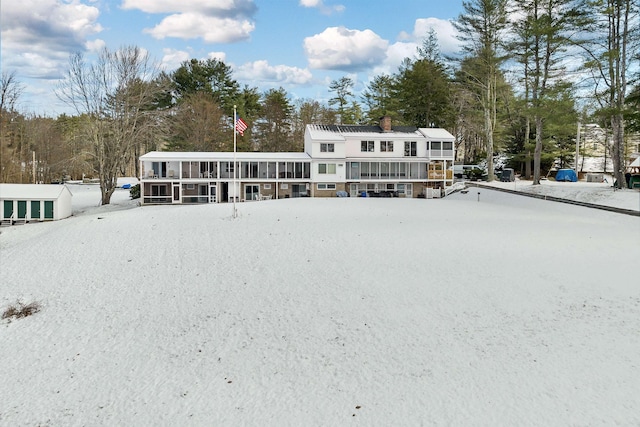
{"x": 566, "y": 175}
{"x": 126, "y": 186}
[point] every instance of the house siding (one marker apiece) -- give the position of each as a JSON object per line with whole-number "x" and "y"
{"x": 330, "y": 150}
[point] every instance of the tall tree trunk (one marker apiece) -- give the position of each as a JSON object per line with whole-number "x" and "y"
{"x": 617, "y": 150}
{"x": 488, "y": 128}
{"x": 527, "y": 135}
{"x": 537, "y": 154}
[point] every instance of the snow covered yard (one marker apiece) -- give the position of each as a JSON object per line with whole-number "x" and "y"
{"x": 503, "y": 311}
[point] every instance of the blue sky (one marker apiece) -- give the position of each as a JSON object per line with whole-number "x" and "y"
{"x": 300, "y": 45}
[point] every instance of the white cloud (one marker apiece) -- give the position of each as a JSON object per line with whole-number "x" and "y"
{"x": 95, "y": 45}
{"x": 210, "y": 29}
{"x": 172, "y": 58}
{"x": 220, "y": 56}
{"x": 444, "y": 29}
{"x": 279, "y": 74}
{"x": 214, "y": 21}
{"x": 397, "y": 53}
{"x": 338, "y": 48}
{"x": 211, "y": 7}
{"x": 324, "y": 9}
{"x": 38, "y": 35}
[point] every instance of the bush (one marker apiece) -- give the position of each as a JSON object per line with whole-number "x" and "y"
{"x": 135, "y": 191}
{"x": 21, "y": 310}
{"x": 475, "y": 174}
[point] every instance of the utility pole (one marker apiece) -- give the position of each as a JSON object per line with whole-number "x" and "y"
{"x": 577, "y": 146}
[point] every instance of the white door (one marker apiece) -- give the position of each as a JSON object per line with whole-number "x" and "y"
{"x": 212, "y": 194}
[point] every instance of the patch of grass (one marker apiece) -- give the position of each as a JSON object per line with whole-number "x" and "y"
{"x": 20, "y": 310}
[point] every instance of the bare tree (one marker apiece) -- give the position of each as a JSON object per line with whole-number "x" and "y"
{"x": 198, "y": 124}
{"x": 610, "y": 58}
{"x": 10, "y": 91}
{"x": 10, "y": 124}
{"x": 114, "y": 97}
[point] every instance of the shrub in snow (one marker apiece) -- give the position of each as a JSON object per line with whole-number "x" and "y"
{"x": 135, "y": 191}
{"x": 21, "y": 310}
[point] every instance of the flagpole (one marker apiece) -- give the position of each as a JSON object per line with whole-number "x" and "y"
{"x": 235, "y": 189}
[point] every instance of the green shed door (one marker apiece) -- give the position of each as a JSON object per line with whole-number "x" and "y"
{"x": 48, "y": 209}
{"x": 35, "y": 209}
{"x": 8, "y": 209}
{"x": 22, "y": 209}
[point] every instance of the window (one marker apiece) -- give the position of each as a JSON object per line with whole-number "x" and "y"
{"x": 386, "y": 146}
{"x": 327, "y": 148}
{"x": 326, "y": 187}
{"x": 410, "y": 148}
{"x": 447, "y": 146}
{"x": 367, "y": 146}
{"x": 326, "y": 168}
{"x": 267, "y": 186}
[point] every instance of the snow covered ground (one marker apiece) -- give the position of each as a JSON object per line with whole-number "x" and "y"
{"x": 588, "y": 192}
{"x": 494, "y": 309}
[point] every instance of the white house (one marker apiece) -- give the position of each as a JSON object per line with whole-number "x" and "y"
{"x": 360, "y": 160}
{"x": 34, "y": 202}
{"x": 382, "y": 160}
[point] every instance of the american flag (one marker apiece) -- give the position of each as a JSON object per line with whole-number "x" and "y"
{"x": 241, "y": 126}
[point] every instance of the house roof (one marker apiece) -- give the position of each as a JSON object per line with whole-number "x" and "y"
{"x": 240, "y": 156}
{"x": 437, "y": 134}
{"x": 33, "y": 191}
{"x": 341, "y": 132}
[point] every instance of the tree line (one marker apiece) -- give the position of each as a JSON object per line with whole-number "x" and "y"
{"x": 528, "y": 73}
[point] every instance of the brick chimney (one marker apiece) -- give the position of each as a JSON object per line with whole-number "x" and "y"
{"x": 385, "y": 123}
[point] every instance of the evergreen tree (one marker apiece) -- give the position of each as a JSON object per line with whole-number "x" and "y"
{"x": 546, "y": 29}
{"x": 210, "y": 76}
{"x": 343, "y": 89}
{"x": 423, "y": 95}
{"x": 481, "y": 26}
{"x": 274, "y": 127}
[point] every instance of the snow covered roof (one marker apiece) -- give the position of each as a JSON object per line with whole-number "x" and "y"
{"x": 594, "y": 164}
{"x": 340, "y": 132}
{"x": 437, "y": 134}
{"x": 240, "y": 156}
{"x": 32, "y": 191}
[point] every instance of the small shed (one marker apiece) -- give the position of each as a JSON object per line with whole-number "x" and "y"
{"x": 34, "y": 202}
{"x": 508, "y": 175}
